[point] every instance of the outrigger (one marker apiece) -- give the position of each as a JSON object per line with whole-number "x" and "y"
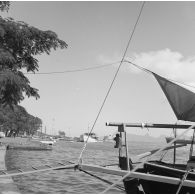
{"x": 144, "y": 176}
{"x": 156, "y": 176}
{"x": 147, "y": 176}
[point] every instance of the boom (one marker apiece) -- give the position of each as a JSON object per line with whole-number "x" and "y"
{"x": 150, "y": 125}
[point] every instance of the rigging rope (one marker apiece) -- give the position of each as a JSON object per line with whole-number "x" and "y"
{"x": 76, "y": 70}
{"x": 101, "y": 179}
{"x": 182, "y": 180}
{"x": 33, "y": 169}
{"x": 144, "y": 161}
{"x": 150, "y": 72}
{"x": 108, "y": 92}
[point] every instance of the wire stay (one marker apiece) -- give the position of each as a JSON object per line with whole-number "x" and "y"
{"x": 112, "y": 83}
{"x": 75, "y": 70}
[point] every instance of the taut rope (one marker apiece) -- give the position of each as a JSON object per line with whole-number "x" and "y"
{"x": 112, "y": 83}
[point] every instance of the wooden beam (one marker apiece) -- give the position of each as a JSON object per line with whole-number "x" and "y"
{"x": 150, "y": 125}
{"x": 143, "y": 155}
{"x": 179, "y": 141}
{"x": 144, "y": 176}
{"x": 168, "y": 168}
{"x": 34, "y": 170}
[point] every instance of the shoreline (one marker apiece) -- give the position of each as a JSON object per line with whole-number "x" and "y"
{"x": 7, "y": 185}
{"x": 12, "y": 140}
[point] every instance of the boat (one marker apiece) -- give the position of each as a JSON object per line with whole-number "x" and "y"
{"x": 89, "y": 137}
{"x": 157, "y": 176}
{"x": 142, "y": 174}
{"x": 47, "y": 140}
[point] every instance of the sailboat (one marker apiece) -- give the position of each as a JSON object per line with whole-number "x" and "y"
{"x": 157, "y": 176}
{"x": 140, "y": 174}
{"x": 148, "y": 176}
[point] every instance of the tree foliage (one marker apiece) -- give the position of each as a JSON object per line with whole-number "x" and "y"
{"x": 19, "y": 44}
{"x": 18, "y": 120}
{"x": 4, "y": 5}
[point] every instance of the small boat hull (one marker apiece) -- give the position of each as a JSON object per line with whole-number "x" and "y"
{"x": 47, "y": 142}
{"x": 132, "y": 185}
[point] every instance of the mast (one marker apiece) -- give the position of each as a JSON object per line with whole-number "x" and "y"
{"x": 124, "y": 161}
{"x": 126, "y": 147}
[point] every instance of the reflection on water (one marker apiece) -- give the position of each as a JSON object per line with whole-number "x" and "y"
{"x": 70, "y": 181}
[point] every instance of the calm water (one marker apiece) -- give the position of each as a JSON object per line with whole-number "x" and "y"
{"x": 70, "y": 181}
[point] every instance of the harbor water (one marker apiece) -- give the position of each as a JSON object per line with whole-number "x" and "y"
{"x": 71, "y": 181}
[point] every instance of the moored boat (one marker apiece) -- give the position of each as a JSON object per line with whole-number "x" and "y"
{"x": 48, "y": 141}
{"x": 89, "y": 137}
{"x": 158, "y": 176}
{"x": 151, "y": 176}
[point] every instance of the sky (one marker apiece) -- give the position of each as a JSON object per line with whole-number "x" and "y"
{"x": 97, "y": 34}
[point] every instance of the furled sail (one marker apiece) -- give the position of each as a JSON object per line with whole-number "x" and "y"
{"x": 182, "y": 100}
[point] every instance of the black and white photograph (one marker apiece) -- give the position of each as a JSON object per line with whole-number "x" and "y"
{"x": 97, "y": 97}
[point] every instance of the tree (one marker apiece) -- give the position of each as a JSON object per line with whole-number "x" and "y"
{"x": 18, "y": 121}
{"x": 19, "y": 44}
{"x": 34, "y": 123}
{"x": 4, "y": 5}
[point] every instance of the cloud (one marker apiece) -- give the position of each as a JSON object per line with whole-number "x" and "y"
{"x": 167, "y": 63}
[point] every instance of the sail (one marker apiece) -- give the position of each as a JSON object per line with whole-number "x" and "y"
{"x": 182, "y": 100}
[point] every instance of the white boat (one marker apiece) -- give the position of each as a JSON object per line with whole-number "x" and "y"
{"x": 47, "y": 141}
{"x": 89, "y": 137}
